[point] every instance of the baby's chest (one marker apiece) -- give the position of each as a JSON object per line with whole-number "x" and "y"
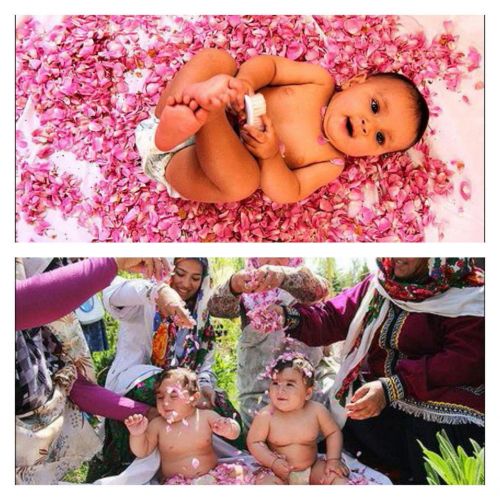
{"x": 296, "y": 117}
{"x": 180, "y": 440}
{"x": 287, "y": 431}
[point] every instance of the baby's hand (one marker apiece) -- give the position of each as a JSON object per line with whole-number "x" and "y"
{"x": 334, "y": 467}
{"x": 226, "y": 427}
{"x": 241, "y": 88}
{"x": 263, "y": 144}
{"x": 136, "y": 424}
{"x": 281, "y": 468}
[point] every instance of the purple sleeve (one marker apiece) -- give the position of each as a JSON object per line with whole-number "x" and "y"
{"x": 97, "y": 400}
{"x": 328, "y": 322}
{"x": 49, "y": 296}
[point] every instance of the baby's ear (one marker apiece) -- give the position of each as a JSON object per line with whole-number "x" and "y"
{"x": 359, "y": 78}
{"x": 193, "y": 399}
{"x": 309, "y": 392}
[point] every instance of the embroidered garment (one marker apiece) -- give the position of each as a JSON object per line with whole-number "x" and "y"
{"x": 414, "y": 347}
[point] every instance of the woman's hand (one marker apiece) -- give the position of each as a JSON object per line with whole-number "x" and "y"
{"x": 153, "y": 267}
{"x": 268, "y": 277}
{"x": 170, "y": 304}
{"x": 207, "y": 400}
{"x": 368, "y": 401}
{"x": 263, "y": 144}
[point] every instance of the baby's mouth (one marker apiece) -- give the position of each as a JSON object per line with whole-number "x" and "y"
{"x": 348, "y": 126}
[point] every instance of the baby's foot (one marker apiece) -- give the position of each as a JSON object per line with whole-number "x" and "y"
{"x": 211, "y": 94}
{"x": 178, "y": 123}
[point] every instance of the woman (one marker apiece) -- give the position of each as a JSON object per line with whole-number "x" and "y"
{"x": 149, "y": 341}
{"x": 413, "y": 360}
{"x": 54, "y": 372}
{"x": 277, "y": 280}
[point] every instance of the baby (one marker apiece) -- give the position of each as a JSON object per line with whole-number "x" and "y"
{"x": 283, "y": 435}
{"x": 182, "y": 433}
{"x": 194, "y": 148}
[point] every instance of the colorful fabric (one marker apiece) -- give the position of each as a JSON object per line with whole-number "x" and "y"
{"x": 197, "y": 342}
{"x": 443, "y": 274}
{"x": 446, "y": 276}
{"x": 54, "y": 437}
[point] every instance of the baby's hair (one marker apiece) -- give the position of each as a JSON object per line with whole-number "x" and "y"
{"x": 186, "y": 378}
{"x": 297, "y": 362}
{"x": 421, "y": 108}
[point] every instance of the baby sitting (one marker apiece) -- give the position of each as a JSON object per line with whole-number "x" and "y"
{"x": 283, "y": 435}
{"x": 182, "y": 433}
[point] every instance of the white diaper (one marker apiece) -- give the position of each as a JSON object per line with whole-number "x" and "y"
{"x": 300, "y": 476}
{"x": 154, "y": 161}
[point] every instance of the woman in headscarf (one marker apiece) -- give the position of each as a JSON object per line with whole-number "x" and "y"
{"x": 413, "y": 358}
{"x": 264, "y": 281}
{"x": 54, "y": 373}
{"x": 150, "y": 341}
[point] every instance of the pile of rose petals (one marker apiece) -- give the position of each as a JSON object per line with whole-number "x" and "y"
{"x": 82, "y": 76}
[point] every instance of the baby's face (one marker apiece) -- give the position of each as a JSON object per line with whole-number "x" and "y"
{"x": 371, "y": 118}
{"x": 288, "y": 390}
{"x": 173, "y": 401}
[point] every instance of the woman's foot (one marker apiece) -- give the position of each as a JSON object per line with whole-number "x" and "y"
{"x": 178, "y": 123}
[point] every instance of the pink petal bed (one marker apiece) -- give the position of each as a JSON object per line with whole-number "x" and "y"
{"x": 83, "y": 83}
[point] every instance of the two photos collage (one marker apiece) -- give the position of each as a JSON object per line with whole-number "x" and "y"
{"x": 288, "y": 181}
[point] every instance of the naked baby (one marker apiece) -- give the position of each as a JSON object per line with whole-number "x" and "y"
{"x": 283, "y": 435}
{"x": 195, "y": 148}
{"x": 182, "y": 433}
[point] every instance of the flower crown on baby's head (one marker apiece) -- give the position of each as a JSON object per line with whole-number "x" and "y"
{"x": 295, "y": 360}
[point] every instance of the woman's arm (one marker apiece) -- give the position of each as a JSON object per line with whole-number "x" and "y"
{"x": 223, "y": 303}
{"x": 327, "y": 322}
{"x": 48, "y": 296}
{"x": 306, "y": 286}
{"x": 97, "y": 400}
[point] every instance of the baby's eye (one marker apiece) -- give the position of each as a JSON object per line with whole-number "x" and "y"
{"x": 380, "y": 138}
{"x": 375, "y": 106}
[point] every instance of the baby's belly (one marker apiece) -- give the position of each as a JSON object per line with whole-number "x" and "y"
{"x": 299, "y": 456}
{"x": 194, "y": 464}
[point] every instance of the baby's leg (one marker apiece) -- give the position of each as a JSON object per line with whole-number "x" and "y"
{"x": 317, "y": 471}
{"x": 268, "y": 478}
{"x": 180, "y": 117}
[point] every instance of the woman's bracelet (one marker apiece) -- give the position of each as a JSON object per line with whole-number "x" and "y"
{"x": 274, "y": 461}
{"x": 337, "y": 459}
{"x": 292, "y": 317}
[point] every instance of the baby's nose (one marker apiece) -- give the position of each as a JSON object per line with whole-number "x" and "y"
{"x": 364, "y": 126}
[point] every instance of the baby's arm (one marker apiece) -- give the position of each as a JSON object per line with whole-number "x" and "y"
{"x": 225, "y": 427}
{"x": 277, "y": 181}
{"x": 143, "y": 435}
{"x": 265, "y": 70}
{"x": 283, "y": 185}
{"x": 257, "y": 445}
{"x": 334, "y": 442}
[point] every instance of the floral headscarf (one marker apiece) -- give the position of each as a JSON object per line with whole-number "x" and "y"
{"x": 443, "y": 273}
{"x": 198, "y": 341}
